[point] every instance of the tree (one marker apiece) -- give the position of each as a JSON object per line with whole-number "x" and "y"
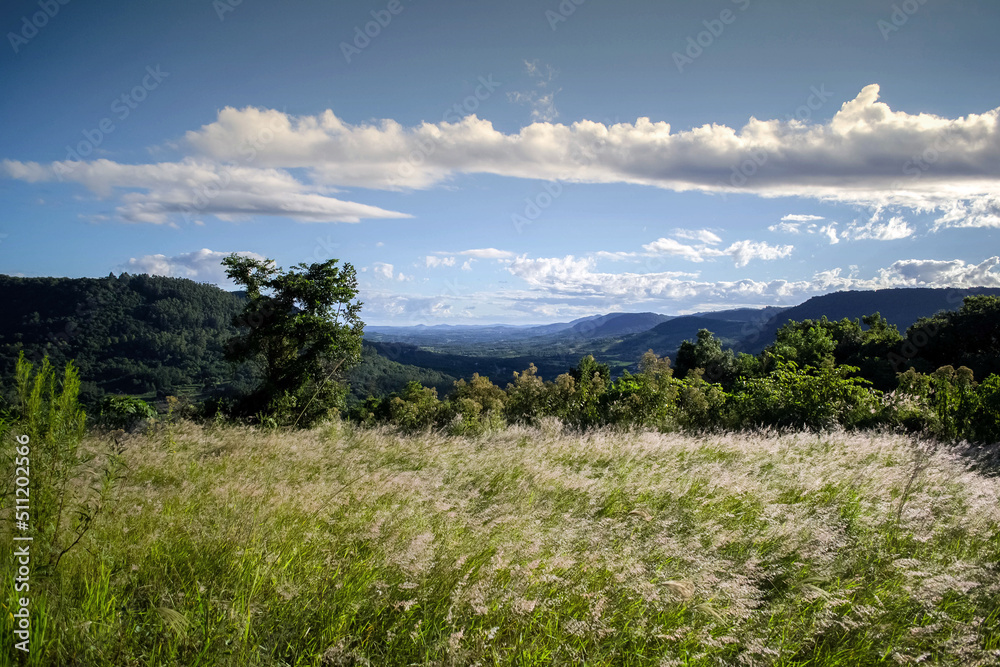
{"x": 719, "y": 365}
{"x": 302, "y": 329}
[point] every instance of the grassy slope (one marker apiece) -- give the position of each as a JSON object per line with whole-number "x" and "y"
{"x": 341, "y": 546}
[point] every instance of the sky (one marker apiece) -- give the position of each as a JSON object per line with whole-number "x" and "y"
{"x": 517, "y": 162}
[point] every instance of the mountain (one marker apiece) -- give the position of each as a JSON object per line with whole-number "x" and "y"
{"x": 664, "y": 339}
{"x": 900, "y": 306}
{"x": 616, "y": 324}
{"x": 743, "y": 314}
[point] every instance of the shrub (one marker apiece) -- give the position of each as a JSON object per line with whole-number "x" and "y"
{"x": 416, "y": 408}
{"x": 645, "y": 399}
{"x": 123, "y": 412}
{"x": 51, "y": 424}
{"x": 475, "y": 407}
{"x": 812, "y": 398}
{"x": 527, "y": 397}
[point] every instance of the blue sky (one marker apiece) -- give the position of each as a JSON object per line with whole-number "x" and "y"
{"x": 514, "y": 162}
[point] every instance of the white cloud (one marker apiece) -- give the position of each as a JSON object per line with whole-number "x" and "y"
{"x": 796, "y": 217}
{"x": 434, "y": 261}
{"x": 665, "y": 246}
{"x": 383, "y": 269}
{"x": 982, "y": 212}
{"x": 541, "y": 99}
{"x": 702, "y": 235}
{"x": 467, "y": 266}
{"x": 201, "y": 265}
{"x": 573, "y": 282}
{"x": 743, "y": 252}
{"x": 787, "y": 227}
{"x": 830, "y": 231}
{"x": 893, "y": 229}
{"x": 486, "y": 253}
{"x": 858, "y": 156}
{"x": 862, "y": 155}
{"x": 193, "y": 188}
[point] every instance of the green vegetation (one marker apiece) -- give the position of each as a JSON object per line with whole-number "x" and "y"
{"x": 528, "y": 546}
{"x": 749, "y": 509}
{"x": 299, "y": 328}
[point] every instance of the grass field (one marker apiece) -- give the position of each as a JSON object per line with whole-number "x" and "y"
{"x": 345, "y": 546}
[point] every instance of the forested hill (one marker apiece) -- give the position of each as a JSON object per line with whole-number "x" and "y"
{"x": 148, "y": 335}
{"x": 130, "y": 334}
{"x": 900, "y": 306}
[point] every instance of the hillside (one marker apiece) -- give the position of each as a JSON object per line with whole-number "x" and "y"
{"x": 902, "y": 307}
{"x": 665, "y": 338}
{"x": 150, "y": 336}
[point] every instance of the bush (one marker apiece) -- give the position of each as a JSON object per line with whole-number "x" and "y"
{"x": 51, "y": 425}
{"x": 645, "y": 399}
{"x": 416, "y": 408}
{"x": 123, "y": 412}
{"x": 811, "y": 398}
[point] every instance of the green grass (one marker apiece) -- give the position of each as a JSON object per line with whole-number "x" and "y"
{"x": 344, "y": 546}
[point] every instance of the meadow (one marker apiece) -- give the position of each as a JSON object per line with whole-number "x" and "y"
{"x": 349, "y": 545}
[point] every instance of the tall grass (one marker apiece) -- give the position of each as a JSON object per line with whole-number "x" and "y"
{"x": 349, "y": 546}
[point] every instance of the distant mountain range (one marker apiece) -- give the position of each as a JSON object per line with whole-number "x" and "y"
{"x": 153, "y": 335}
{"x": 622, "y": 338}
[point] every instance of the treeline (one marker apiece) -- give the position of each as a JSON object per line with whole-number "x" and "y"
{"x": 816, "y": 375}
{"x": 130, "y": 334}
{"x": 151, "y": 336}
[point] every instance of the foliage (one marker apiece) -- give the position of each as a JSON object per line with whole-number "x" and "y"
{"x": 131, "y": 334}
{"x": 475, "y": 407}
{"x": 66, "y": 492}
{"x": 645, "y": 399}
{"x": 300, "y": 328}
{"x": 124, "y": 412}
{"x": 416, "y": 408}
{"x": 969, "y": 336}
{"x": 707, "y": 353}
{"x": 809, "y": 397}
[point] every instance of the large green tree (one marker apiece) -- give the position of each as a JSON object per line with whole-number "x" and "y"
{"x": 302, "y": 329}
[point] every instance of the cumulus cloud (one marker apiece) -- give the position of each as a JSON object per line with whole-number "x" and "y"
{"x": 202, "y": 265}
{"x": 665, "y": 246}
{"x": 859, "y": 156}
{"x": 703, "y": 235}
{"x": 890, "y": 230}
{"x": 863, "y": 155}
{"x": 743, "y": 252}
{"x": 384, "y": 270}
{"x": 434, "y": 261}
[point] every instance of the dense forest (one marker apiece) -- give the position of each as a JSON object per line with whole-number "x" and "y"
{"x": 150, "y": 336}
